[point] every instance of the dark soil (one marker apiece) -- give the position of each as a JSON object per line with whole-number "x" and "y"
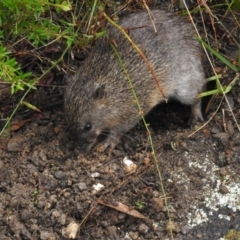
{"x": 46, "y": 183}
{"x": 48, "y": 189}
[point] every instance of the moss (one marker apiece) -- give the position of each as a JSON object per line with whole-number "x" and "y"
{"x": 232, "y": 235}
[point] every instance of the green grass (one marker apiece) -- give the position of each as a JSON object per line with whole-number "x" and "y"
{"x": 37, "y": 25}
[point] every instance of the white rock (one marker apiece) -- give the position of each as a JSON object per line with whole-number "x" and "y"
{"x": 97, "y": 187}
{"x": 70, "y": 231}
{"x": 129, "y": 165}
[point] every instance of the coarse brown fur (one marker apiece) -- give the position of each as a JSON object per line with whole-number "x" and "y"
{"x": 98, "y": 99}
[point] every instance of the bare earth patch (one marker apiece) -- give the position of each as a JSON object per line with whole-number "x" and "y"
{"x": 49, "y": 190}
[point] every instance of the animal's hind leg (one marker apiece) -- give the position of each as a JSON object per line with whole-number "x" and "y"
{"x": 196, "y": 113}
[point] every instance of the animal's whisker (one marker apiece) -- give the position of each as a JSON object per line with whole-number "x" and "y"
{"x": 118, "y": 134}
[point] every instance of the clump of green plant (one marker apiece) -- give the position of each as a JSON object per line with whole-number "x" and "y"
{"x": 219, "y": 88}
{"x": 230, "y": 6}
{"x": 31, "y": 19}
{"x": 40, "y": 24}
{"x": 25, "y": 19}
{"x": 37, "y": 22}
{"x": 139, "y": 204}
{"x": 11, "y": 72}
{"x": 232, "y": 235}
{"x": 34, "y": 196}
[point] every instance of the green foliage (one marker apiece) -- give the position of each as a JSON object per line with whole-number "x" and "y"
{"x": 27, "y": 17}
{"x": 46, "y": 21}
{"x": 34, "y": 196}
{"x": 232, "y": 235}
{"x": 34, "y": 21}
{"x": 219, "y": 88}
{"x": 139, "y": 204}
{"x": 11, "y": 72}
{"x": 41, "y": 23}
{"x": 235, "y": 4}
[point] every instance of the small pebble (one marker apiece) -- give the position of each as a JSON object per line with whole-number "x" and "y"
{"x": 81, "y": 186}
{"x": 143, "y": 228}
{"x": 105, "y": 224}
{"x": 158, "y": 203}
{"x": 215, "y": 130}
{"x": 121, "y": 216}
{"x": 146, "y": 161}
{"x": 67, "y": 194}
{"x": 223, "y": 189}
{"x": 134, "y": 235}
{"x": 56, "y": 213}
{"x": 172, "y": 227}
{"x": 59, "y": 174}
{"x": 31, "y": 168}
{"x": 48, "y": 182}
{"x": 223, "y": 137}
{"x": 199, "y": 235}
{"x": 223, "y": 171}
{"x": 45, "y": 235}
{"x": 15, "y": 144}
{"x": 95, "y": 175}
{"x": 62, "y": 219}
{"x": 112, "y": 231}
{"x": 185, "y": 229}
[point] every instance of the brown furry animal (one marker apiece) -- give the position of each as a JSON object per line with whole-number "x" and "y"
{"x": 98, "y": 98}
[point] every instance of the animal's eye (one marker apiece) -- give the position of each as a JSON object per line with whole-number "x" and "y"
{"x": 88, "y": 127}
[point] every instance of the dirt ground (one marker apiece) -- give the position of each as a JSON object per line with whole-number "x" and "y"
{"x": 49, "y": 190}
{"x": 46, "y": 183}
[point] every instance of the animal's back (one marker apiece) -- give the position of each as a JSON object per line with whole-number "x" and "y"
{"x": 172, "y": 51}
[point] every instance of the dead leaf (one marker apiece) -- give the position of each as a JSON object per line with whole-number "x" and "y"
{"x": 124, "y": 208}
{"x": 16, "y": 126}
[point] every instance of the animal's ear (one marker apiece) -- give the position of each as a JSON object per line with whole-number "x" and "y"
{"x": 99, "y": 91}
